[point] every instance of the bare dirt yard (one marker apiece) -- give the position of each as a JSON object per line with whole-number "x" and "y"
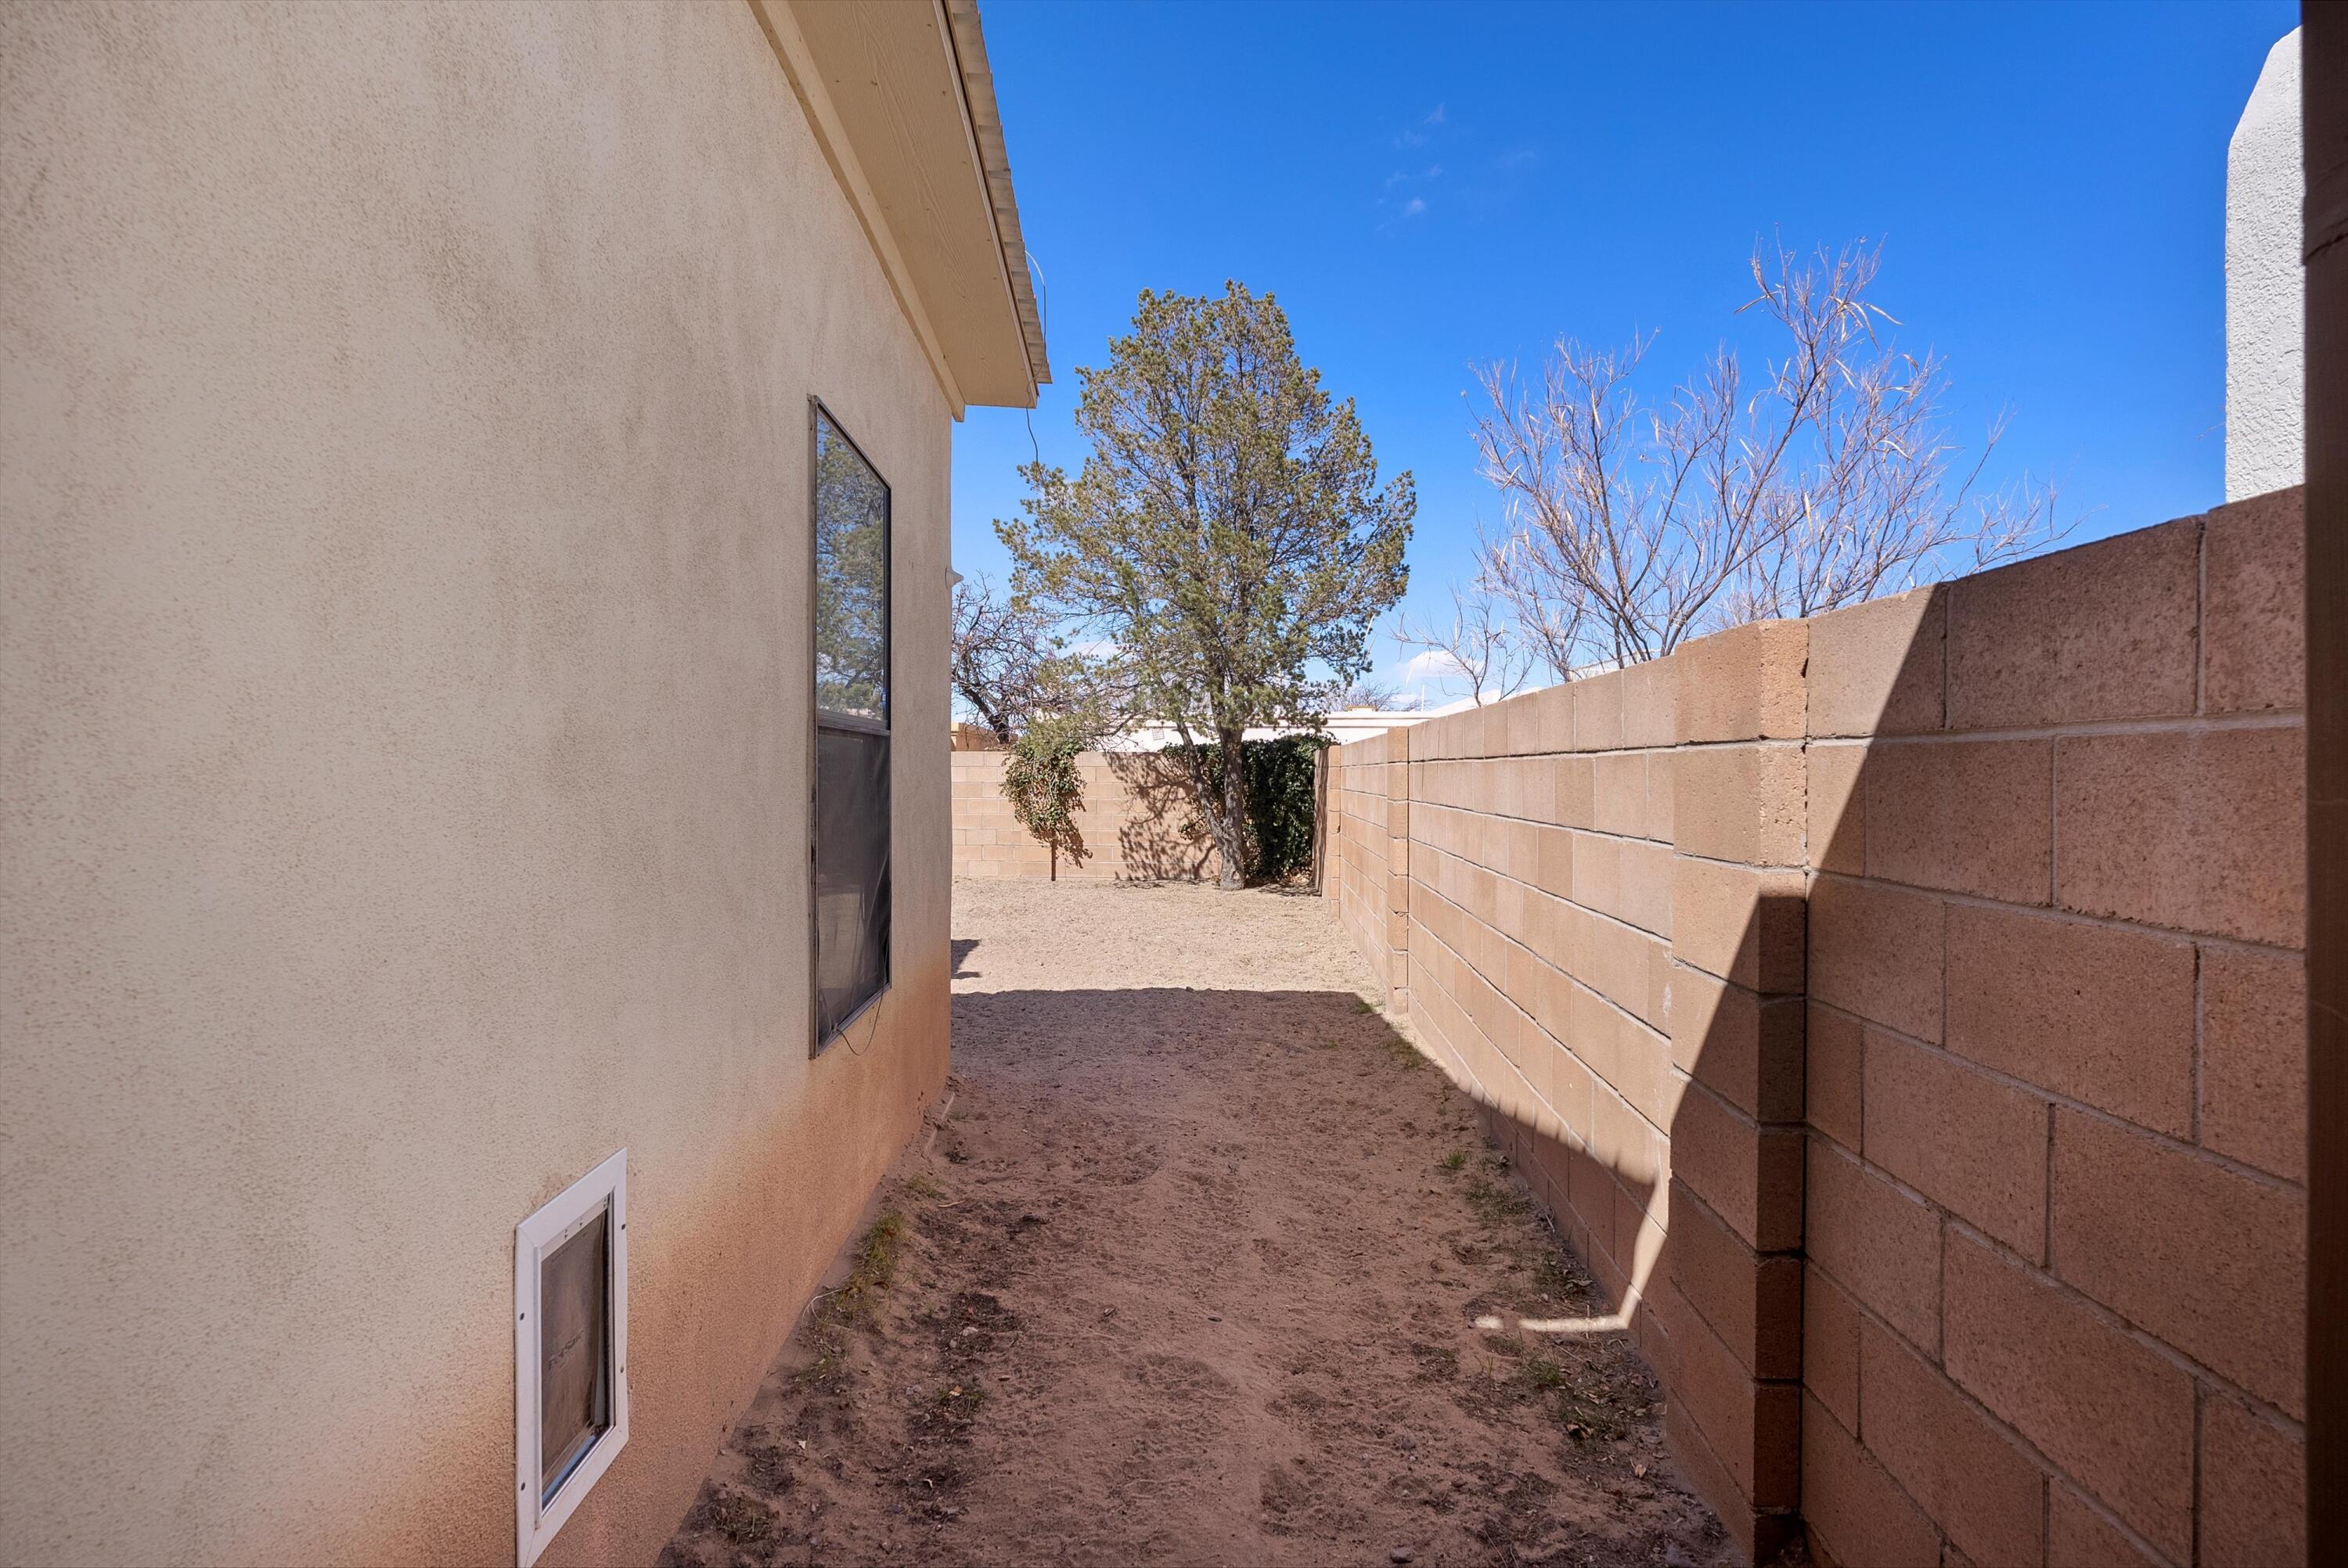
{"x": 1190, "y": 1270}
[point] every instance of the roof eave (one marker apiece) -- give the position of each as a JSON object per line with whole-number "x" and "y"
{"x": 986, "y": 131}
{"x": 902, "y": 101}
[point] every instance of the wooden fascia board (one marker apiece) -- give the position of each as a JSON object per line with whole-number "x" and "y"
{"x": 800, "y": 69}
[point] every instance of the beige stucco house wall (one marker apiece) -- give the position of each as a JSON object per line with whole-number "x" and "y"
{"x": 405, "y": 698}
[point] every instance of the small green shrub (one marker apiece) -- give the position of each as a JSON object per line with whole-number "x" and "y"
{"x": 1494, "y": 1201}
{"x": 1281, "y": 806}
{"x": 876, "y": 1267}
{"x": 1045, "y": 789}
{"x": 1283, "y": 809}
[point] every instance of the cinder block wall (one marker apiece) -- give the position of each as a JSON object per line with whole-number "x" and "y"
{"x": 1366, "y": 859}
{"x": 1137, "y": 823}
{"x": 1902, "y": 1011}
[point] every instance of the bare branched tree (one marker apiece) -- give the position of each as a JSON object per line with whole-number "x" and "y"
{"x": 1479, "y": 643}
{"x": 1547, "y": 627}
{"x": 1827, "y": 479}
{"x": 1011, "y": 667}
{"x": 1004, "y": 658}
{"x": 1380, "y": 695}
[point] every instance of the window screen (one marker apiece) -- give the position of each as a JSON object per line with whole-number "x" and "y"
{"x": 850, "y": 818}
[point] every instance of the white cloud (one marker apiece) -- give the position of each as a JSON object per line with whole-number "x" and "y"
{"x": 1417, "y": 135}
{"x": 1397, "y": 204}
{"x": 1434, "y": 664}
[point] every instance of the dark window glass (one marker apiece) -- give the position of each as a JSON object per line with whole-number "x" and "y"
{"x": 574, "y": 1349}
{"x": 851, "y": 872}
{"x": 850, "y": 826}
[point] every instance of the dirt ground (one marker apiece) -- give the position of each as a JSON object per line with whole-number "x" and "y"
{"x": 1189, "y": 1270}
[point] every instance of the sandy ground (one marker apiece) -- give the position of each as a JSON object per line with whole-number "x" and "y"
{"x": 1189, "y": 1271}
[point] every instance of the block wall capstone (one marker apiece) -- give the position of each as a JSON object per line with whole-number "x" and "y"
{"x": 1902, "y": 1013}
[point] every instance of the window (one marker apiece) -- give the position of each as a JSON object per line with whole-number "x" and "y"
{"x": 849, "y": 820}
{"x": 571, "y": 1350}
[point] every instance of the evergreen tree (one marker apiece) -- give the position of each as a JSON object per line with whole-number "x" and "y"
{"x": 1227, "y": 534}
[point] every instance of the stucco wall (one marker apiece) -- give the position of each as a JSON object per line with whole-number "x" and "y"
{"x": 2266, "y": 309}
{"x": 403, "y": 537}
{"x": 1904, "y": 1012}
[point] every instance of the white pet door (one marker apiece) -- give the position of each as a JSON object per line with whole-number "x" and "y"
{"x": 571, "y": 1350}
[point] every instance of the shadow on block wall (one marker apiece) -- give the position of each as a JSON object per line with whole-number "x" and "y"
{"x": 1161, "y": 838}
{"x": 1902, "y": 1010}
{"x": 1135, "y": 817}
{"x": 1697, "y": 1242}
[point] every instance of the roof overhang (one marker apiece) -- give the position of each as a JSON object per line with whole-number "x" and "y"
{"x": 900, "y": 97}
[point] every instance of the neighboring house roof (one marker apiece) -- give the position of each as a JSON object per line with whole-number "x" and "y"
{"x": 1345, "y": 724}
{"x": 900, "y": 97}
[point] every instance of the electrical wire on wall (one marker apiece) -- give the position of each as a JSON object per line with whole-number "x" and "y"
{"x": 1042, "y": 324}
{"x": 872, "y": 1031}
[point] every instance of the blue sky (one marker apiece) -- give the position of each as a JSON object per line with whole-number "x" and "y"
{"x": 1429, "y": 187}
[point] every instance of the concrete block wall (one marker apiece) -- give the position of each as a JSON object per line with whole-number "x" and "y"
{"x": 1902, "y": 1011}
{"x": 1137, "y": 823}
{"x": 1367, "y": 863}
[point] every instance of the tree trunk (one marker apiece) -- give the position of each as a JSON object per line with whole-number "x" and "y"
{"x": 1231, "y": 823}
